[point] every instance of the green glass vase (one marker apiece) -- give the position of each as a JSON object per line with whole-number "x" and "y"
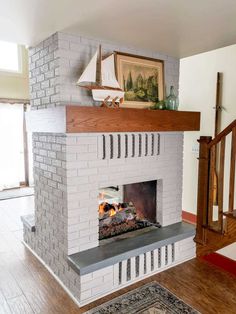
{"x": 172, "y": 100}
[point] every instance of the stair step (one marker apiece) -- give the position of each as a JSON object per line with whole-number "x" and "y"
{"x": 216, "y": 228}
{"x": 230, "y": 214}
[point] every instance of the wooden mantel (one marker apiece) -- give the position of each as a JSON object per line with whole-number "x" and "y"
{"x": 76, "y": 119}
{"x": 97, "y": 119}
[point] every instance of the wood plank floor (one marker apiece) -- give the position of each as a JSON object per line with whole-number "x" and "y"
{"x": 27, "y": 287}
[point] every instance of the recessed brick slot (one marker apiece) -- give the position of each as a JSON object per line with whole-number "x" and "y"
{"x": 127, "y": 208}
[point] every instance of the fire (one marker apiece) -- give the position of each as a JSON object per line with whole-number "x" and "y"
{"x": 109, "y": 210}
{"x": 101, "y": 209}
{"x": 112, "y": 212}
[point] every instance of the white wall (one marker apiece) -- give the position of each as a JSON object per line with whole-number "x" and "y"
{"x": 197, "y": 93}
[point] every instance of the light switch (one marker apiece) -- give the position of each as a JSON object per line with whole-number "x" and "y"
{"x": 195, "y": 148}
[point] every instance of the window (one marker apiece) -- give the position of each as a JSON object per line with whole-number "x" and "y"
{"x": 9, "y": 57}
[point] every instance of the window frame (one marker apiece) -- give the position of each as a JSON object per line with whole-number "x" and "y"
{"x": 20, "y": 65}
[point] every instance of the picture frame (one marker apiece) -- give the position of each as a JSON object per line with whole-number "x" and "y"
{"x": 141, "y": 78}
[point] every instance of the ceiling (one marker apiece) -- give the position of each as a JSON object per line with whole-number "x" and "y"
{"x": 179, "y": 28}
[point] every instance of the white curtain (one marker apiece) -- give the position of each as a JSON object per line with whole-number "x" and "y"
{"x": 11, "y": 145}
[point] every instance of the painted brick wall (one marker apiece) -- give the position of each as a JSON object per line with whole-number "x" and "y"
{"x": 87, "y": 171}
{"x": 69, "y": 170}
{"x": 57, "y": 63}
{"x": 44, "y": 74}
{"x": 50, "y": 239}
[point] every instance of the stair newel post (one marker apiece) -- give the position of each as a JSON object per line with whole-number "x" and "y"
{"x": 203, "y": 188}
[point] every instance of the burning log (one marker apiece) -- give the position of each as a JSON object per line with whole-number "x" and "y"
{"x": 115, "y": 219}
{"x": 114, "y": 229}
{"x": 119, "y": 211}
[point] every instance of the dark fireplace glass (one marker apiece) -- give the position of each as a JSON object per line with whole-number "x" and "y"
{"x": 143, "y": 196}
{"x": 126, "y": 208}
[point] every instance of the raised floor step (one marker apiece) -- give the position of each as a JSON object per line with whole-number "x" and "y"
{"x": 230, "y": 214}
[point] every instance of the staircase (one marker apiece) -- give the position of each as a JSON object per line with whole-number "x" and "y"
{"x": 216, "y": 214}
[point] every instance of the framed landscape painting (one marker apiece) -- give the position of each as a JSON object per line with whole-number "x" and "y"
{"x": 141, "y": 78}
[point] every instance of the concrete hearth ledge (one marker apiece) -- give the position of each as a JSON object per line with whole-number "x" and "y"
{"x": 106, "y": 255}
{"x": 29, "y": 222}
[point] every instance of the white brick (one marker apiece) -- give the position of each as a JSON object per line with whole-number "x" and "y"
{"x": 87, "y": 172}
{"x": 88, "y": 246}
{"x": 72, "y": 228}
{"x": 102, "y": 272}
{"x": 102, "y": 289}
{"x": 70, "y": 157}
{"x": 71, "y": 141}
{"x": 87, "y": 140}
{"x": 77, "y": 149}
{"x": 86, "y": 278}
{"x": 86, "y": 156}
{"x": 85, "y": 294}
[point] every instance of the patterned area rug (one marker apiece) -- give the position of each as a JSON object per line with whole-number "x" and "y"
{"x": 151, "y": 298}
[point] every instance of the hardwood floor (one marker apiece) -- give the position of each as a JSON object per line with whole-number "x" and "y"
{"x": 27, "y": 287}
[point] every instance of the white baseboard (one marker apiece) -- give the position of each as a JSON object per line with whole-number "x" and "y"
{"x": 54, "y": 275}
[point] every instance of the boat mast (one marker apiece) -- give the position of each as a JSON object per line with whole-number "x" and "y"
{"x": 99, "y": 66}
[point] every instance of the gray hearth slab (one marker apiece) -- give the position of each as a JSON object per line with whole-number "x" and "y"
{"x": 106, "y": 255}
{"x": 29, "y": 222}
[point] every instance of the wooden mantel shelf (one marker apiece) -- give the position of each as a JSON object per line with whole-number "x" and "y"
{"x": 97, "y": 119}
{"x": 76, "y": 119}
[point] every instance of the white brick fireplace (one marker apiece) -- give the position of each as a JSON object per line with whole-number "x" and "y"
{"x": 94, "y": 161}
{"x": 70, "y": 168}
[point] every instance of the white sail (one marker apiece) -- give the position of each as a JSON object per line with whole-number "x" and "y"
{"x": 89, "y": 74}
{"x": 108, "y": 72}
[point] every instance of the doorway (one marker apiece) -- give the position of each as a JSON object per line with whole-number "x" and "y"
{"x": 15, "y": 147}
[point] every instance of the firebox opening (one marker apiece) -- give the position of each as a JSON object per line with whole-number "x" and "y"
{"x": 127, "y": 208}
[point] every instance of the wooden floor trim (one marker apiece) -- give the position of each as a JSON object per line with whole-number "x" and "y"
{"x": 221, "y": 262}
{"x": 189, "y": 217}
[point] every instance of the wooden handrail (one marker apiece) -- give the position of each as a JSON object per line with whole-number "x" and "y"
{"x": 207, "y": 185}
{"x": 222, "y": 134}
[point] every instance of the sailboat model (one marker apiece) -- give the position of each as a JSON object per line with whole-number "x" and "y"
{"x": 99, "y": 77}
